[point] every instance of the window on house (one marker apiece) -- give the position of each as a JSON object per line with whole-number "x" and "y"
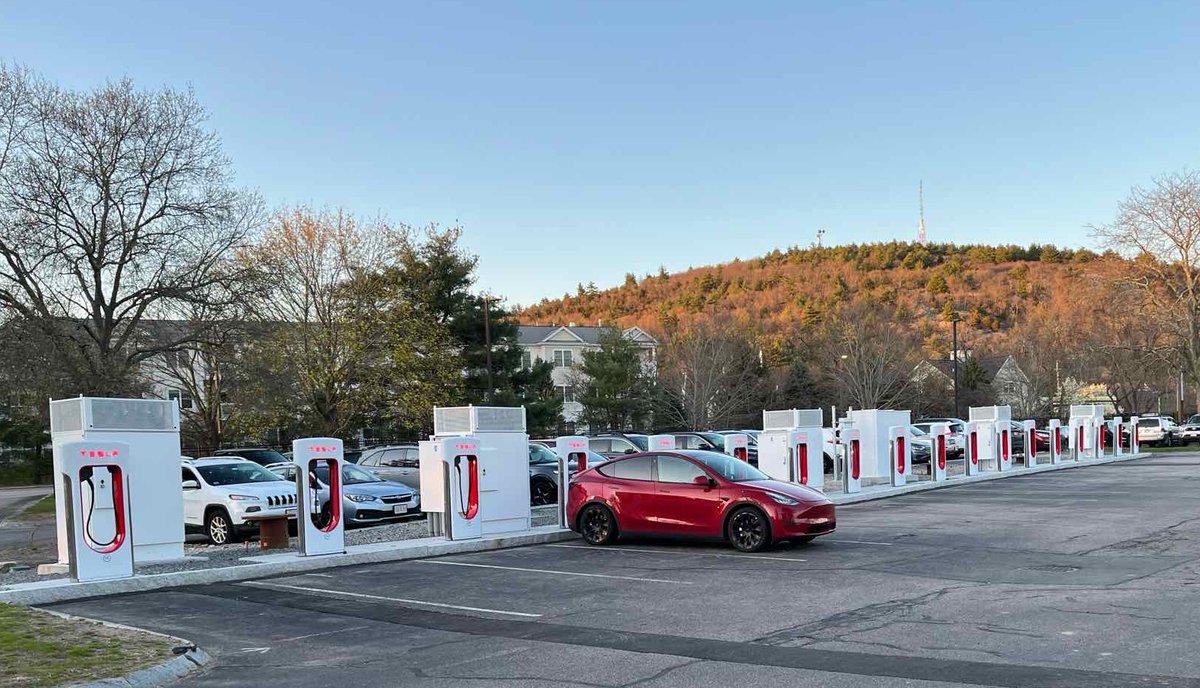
{"x": 1010, "y": 388}
{"x": 567, "y": 392}
{"x": 184, "y": 398}
{"x": 526, "y": 360}
{"x": 562, "y": 358}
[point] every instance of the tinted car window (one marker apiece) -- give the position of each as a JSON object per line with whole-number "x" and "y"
{"x": 642, "y": 441}
{"x": 600, "y": 445}
{"x": 672, "y": 469}
{"x": 188, "y": 475}
{"x": 728, "y": 467}
{"x": 392, "y": 457}
{"x": 628, "y": 469}
{"x": 1147, "y": 422}
{"x": 538, "y": 454}
{"x": 623, "y": 445}
{"x": 412, "y": 458}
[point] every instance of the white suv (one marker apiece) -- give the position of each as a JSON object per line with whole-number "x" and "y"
{"x": 1157, "y": 431}
{"x": 223, "y": 495}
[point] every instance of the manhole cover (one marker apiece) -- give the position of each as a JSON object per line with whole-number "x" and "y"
{"x": 1053, "y": 568}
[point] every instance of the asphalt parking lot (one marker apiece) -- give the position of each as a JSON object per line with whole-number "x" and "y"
{"x": 1074, "y": 578}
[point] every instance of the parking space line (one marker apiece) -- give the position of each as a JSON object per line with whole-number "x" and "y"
{"x": 861, "y": 542}
{"x": 663, "y": 551}
{"x": 550, "y": 571}
{"x": 359, "y": 595}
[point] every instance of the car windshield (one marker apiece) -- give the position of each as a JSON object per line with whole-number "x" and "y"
{"x": 236, "y": 474}
{"x": 539, "y": 454}
{"x": 716, "y": 439}
{"x": 728, "y": 467}
{"x": 642, "y": 441}
{"x": 351, "y": 474}
{"x": 917, "y": 430}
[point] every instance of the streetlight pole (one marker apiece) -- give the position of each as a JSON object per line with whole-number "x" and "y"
{"x": 954, "y": 330}
{"x": 487, "y": 346}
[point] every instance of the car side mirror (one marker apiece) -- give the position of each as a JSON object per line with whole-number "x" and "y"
{"x": 631, "y": 451}
{"x": 191, "y": 485}
{"x": 704, "y": 481}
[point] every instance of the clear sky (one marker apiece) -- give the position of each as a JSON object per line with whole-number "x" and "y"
{"x": 578, "y": 141}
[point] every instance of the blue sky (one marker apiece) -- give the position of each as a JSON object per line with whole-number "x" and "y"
{"x": 579, "y": 141}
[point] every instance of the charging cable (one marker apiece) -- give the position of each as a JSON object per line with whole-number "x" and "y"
{"x": 87, "y": 525}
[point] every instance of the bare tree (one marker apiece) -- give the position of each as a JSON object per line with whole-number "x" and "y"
{"x": 1159, "y": 227}
{"x": 116, "y": 208}
{"x": 870, "y": 358}
{"x": 709, "y": 375}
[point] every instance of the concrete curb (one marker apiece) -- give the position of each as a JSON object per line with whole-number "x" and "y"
{"x": 62, "y": 590}
{"x": 166, "y": 673}
{"x": 871, "y": 494}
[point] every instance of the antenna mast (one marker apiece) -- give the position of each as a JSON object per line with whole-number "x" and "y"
{"x": 921, "y": 200}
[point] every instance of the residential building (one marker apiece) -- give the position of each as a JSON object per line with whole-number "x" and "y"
{"x": 564, "y": 346}
{"x": 1001, "y": 375}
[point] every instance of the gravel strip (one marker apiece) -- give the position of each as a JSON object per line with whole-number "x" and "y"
{"x": 218, "y": 556}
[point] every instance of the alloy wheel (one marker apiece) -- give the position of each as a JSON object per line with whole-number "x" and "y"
{"x": 597, "y": 526}
{"x": 543, "y": 493}
{"x": 748, "y": 530}
{"x": 218, "y": 530}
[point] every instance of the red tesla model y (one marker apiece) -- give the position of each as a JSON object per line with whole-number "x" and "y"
{"x": 700, "y": 494}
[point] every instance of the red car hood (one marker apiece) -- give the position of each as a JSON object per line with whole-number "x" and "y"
{"x": 799, "y": 492}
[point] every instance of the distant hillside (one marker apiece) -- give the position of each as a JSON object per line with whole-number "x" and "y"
{"x": 992, "y": 288}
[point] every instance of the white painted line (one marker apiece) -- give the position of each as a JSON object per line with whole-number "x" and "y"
{"x": 860, "y": 542}
{"x": 549, "y": 571}
{"x": 664, "y": 551}
{"x": 264, "y": 584}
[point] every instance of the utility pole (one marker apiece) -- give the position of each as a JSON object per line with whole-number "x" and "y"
{"x": 487, "y": 347}
{"x": 820, "y": 235}
{"x": 954, "y": 330}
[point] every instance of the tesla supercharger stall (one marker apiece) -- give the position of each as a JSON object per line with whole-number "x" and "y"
{"x": 1056, "y": 440}
{"x": 1077, "y": 428}
{"x": 940, "y": 434}
{"x": 450, "y": 479}
{"x": 900, "y": 452}
{"x": 660, "y": 443}
{"x": 808, "y": 456}
{"x": 852, "y": 445}
{"x": 737, "y": 445}
{"x": 569, "y": 448}
{"x": 1114, "y": 428}
{"x": 95, "y": 479}
{"x": 1030, "y": 442}
{"x": 1134, "y": 445}
{"x": 1004, "y": 460}
{"x": 1091, "y": 417}
{"x": 973, "y": 465}
{"x": 322, "y": 531}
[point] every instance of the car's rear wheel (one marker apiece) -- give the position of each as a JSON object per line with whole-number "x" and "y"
{"x": 542, "y": 492}
{"x": 598, "y": 525}
{"x": 748, "y": 530}
{"x": 219, "y": 528}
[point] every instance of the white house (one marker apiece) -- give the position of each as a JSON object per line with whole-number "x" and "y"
{"x": 563, "y": 345}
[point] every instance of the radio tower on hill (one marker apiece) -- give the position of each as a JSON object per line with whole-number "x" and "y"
{"x": 921, "y": 200}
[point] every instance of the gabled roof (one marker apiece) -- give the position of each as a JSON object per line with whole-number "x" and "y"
{"x": 990, "y": 365}
{"x": 529, "y": 335}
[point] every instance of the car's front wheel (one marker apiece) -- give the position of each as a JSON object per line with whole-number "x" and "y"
{"x": 219, "y": 527}
{"x": 748, "y": 530}
{"x": 597, "y": 525}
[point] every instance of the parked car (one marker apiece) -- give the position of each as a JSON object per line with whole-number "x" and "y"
{"x": 702, "y": 494}
{"x": 398, "y": 463}
{"x": 223, "y": 494}
{"x": 366, "y": 499}
{"x": 751, "y": 443}
{"x": 956, "y": 442}
{"x": 1157, "y": 431}
{"x": 1189, "y": 433}
{"x": 921, "y": 445}
{"x": 543, "y": 475}
{"x": 613, "y": 445}
{"x": 263, "y": 456}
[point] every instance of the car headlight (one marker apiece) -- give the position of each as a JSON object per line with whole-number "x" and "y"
{"x": 783, "y": 499}
{"x": 243, "y": 498}
{"x": 361, "y": 498}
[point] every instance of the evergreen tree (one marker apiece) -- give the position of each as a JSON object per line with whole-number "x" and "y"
{"x": 617, "y": 391}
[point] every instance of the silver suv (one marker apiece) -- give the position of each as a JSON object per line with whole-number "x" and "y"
{"x": 1157, "y": 431}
